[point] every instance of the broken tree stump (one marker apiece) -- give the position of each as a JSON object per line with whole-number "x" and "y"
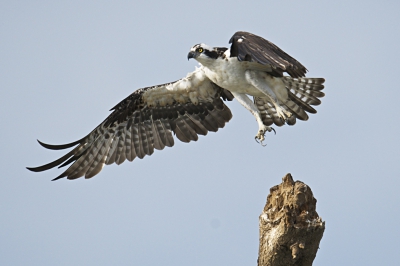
{"x": 290, "y": 228}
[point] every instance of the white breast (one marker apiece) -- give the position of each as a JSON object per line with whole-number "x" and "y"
{"x": 229, "y": 74}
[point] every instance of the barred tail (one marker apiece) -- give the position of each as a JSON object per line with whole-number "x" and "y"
{"x": 302, "y": 94}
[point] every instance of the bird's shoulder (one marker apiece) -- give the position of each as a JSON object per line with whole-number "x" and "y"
{"x": 249, "y": 47}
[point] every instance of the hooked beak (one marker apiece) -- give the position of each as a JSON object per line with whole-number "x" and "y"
{"x": 191, "y": 54}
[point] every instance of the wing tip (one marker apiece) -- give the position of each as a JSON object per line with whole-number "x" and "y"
{"x": 59, "y": 147}
{"x": 37, "y": 169}
{"x": 33, "y": 169}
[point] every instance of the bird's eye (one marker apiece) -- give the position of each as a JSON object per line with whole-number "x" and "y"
{"x": 200, "y": 50}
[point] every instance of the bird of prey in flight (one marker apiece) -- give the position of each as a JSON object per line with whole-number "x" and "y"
{"x": 192, "y": 106}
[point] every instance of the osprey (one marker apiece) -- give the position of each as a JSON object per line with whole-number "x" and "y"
{"x": 194, "y": 105}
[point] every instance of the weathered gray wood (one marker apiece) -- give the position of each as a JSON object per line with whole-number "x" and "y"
{"x": 290, "y": 228}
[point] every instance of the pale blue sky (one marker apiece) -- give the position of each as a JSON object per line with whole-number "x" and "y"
{"x": 64, "y": 64}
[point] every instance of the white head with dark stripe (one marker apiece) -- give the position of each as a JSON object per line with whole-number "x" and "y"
{"x": 205, "y": 54}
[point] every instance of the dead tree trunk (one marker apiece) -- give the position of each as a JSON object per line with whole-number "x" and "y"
{"x": 290, "y": 228}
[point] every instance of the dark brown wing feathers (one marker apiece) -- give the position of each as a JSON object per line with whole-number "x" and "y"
{"x": 249, "y": 47}
{"x": 134, "y": 130}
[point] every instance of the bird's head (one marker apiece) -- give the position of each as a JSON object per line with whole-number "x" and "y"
{"x": 203, "y": 53}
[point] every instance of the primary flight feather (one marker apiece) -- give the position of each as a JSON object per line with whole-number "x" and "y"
{"x": 194, "y": 105}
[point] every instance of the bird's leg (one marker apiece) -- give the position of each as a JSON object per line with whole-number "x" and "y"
{"x": 264, "y": 83}
{"x": 283, "y": 114}
{"x": 261, "y": 133}
{"x": 249, "y": 105}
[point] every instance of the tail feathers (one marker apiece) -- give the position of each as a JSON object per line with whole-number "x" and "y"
{"x": 297, "y": 110}
{"x": 302, "y": 93}
{"x": 301, "y": 104}
{"x": 307, "y": 90}
{"x": 314, "y": 84}
{"x": 268, "y": 112}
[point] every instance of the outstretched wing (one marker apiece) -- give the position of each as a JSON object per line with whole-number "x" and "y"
{"x": 144, "y": 121}
{"x": 252, "y": 48}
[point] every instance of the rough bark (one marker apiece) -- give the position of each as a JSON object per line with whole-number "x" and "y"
{"x": 290, "y": 228}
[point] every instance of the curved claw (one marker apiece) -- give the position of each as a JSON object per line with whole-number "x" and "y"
{"x": 273, "y": 130}
{"x": 260, "y": 142}
{"x": 263, "y": 144}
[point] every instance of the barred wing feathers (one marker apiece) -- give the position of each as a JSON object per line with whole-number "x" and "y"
{"x": 302, "y": 94}
{"x": 252, "y": 48}
{"x": 144, "y": 121}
